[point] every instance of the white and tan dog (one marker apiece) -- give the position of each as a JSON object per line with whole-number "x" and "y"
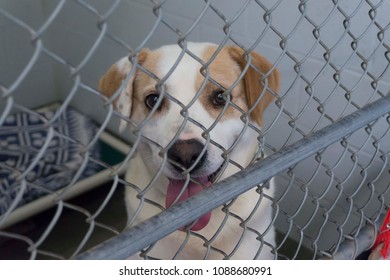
{"x": 174, "y": 149}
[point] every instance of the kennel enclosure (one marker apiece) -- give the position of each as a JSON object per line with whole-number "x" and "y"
{"x": 326, "y": 134}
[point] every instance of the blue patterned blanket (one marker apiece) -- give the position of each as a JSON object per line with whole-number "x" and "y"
{"x": 23, "y": 135}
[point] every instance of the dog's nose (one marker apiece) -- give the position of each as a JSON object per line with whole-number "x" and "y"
{"x": 186, "y": 153}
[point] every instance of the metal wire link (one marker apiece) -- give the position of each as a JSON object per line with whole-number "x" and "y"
{"x": 326, "y": 134}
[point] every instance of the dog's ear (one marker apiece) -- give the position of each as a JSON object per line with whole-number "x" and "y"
{"x": 255, "y": 80}
{"x": 112, "y": 80}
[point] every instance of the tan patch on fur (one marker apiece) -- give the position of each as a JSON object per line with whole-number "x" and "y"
{"x": 139, "y": 85}
{"x": 145, "y": 84}
{"x": 225, "y": 69}
{"x": 225, "y": 72}
{"x": 253, "y": 86}
{"x": 111, "y": 81}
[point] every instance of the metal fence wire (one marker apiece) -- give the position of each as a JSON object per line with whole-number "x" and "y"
{"x": 326, "y": 134}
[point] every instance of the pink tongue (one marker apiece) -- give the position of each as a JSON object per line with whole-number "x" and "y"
{"x": 173, "y": 191}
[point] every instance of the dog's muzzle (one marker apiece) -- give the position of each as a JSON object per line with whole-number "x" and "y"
{"x": 185, "y": 153}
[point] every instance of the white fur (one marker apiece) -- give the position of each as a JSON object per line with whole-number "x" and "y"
{"x": 147, "y": 163}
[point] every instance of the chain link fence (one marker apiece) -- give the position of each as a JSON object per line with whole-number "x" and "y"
{"x": 63, "y": 160}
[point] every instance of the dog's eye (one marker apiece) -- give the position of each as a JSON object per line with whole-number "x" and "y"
{"x": 219, "y": 100}
{"x": 151, "y": 100}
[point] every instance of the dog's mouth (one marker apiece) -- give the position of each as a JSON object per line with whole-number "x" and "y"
{"x": 179, "y": 190}
{"x": 215, "y": 175}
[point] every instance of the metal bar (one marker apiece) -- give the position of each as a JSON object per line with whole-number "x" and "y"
{"x": 136, "y": 238}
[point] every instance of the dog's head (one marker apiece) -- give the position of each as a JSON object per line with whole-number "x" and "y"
{"x": 194, "y": 118}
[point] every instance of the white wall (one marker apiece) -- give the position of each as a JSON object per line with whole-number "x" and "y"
{"x": 75, "y": 30}
{"x": 16, "y": 51}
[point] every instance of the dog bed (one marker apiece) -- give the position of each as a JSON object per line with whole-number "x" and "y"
{"x": 23, "y": 135}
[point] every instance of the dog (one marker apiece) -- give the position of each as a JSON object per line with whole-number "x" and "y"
{"x": 199, "y": 113}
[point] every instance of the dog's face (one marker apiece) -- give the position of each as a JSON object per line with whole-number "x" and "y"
{"x": 192, "y": 120}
